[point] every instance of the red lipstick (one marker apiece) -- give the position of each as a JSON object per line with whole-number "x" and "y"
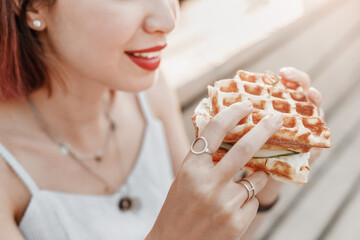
{"x": 144, "y": 57}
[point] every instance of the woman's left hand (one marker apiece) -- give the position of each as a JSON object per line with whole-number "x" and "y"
{"x": 304, "y": 80}
{"x": 270, "y": 192}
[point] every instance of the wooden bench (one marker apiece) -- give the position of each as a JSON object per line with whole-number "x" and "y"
{"x": 325, "y": 43}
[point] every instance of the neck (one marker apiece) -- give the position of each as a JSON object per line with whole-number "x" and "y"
{"x": 77, "y": 115}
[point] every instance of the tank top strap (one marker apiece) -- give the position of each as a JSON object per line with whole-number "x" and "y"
{"x": 145, "y": 106}
{"x": 19, "y": 169}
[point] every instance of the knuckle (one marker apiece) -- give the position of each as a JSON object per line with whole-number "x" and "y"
{"x": 223, "y": 212}
{"x": 186, "y": 174}
{"x": 217, "y": 124}
{"x": 200, "y": 194}
{"x": 205, "y": 202}
{"x": 237, "y": 224}
{"x": 245, "y": 149}
{"x": 226, "y": 211}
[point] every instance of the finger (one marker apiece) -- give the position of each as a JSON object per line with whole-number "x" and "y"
{"x": 295, "y": 75}
{"x": 217, "y": 128}
{"x": 247, "y": 214}
{"x": 250, "y": 208}
{"x": 248, "y": 145}
{"x": 315, "y": 96}
{"x": 240, "y": 175}
{"x": 258, "y": 179}
{"x": 238, "y": 193}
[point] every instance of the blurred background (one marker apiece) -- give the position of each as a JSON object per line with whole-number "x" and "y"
{"x": 321, "y": 37}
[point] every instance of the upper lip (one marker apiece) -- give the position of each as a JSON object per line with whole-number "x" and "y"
{"x": 151, "y": 49}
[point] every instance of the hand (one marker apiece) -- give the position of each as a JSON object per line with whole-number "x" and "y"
{"x": 304, "y": 80}
{"x": 204, "y": 202}
{"x": 270, "y": 192}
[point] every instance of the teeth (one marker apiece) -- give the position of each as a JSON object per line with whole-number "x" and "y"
{"x": 147, "y": 55}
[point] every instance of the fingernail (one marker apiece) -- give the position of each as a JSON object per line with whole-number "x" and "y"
{"x": 248, "y": 104}
{"x": 275, "y": 116}
{"x": 288, "y": 73}
{"x": 278, "y": 117}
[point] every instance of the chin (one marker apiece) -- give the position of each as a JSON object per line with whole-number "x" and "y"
{"x": 136, "y": 83}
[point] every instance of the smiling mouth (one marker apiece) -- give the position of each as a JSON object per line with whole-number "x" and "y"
{"x": 147, "y": 55}
{"x": 149, "y": 61}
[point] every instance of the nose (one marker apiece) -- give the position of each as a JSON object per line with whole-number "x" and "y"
{"x": 162, "y": 16}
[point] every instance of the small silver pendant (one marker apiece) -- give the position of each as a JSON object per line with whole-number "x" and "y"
{"x": 64, "y": 149}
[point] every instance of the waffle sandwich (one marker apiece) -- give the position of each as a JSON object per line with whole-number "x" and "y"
{"x": 285, "y": 155}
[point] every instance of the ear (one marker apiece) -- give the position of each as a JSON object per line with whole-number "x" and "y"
{"x": 36, "y": 15}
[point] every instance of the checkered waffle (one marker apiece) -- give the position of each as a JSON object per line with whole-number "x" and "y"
{"x": 302, "y": 126}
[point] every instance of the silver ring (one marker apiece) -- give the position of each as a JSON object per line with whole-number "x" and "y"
{"x": 205, "y": 150}
{"x": 251, "y": 188}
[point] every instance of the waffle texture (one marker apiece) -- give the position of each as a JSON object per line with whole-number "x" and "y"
{"x": 302, "y": 126}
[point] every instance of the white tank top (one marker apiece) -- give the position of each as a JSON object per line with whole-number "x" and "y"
{"x": 61, "y": 216}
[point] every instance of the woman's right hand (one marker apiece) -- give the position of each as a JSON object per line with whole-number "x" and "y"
{"x": 204, "y": 202}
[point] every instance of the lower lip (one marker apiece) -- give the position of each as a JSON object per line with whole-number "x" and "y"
{"x": 149, "y": 64}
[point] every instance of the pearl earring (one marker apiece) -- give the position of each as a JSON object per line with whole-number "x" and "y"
{"x": 37, "y": 23}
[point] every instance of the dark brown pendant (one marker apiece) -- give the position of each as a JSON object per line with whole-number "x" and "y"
{"x": 98, "y": 157}
{"x": 125, "y": 203}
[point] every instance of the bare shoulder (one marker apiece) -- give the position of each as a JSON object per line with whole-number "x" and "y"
{"x": 12, "y": 190}
{"x": 14, "y": 197}
{"x": 165, "y": 105}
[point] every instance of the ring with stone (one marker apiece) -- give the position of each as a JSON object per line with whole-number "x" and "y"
{"x": 205, "y": 150}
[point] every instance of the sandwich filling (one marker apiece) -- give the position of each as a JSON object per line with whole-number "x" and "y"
{"x": 283, "y": 165}
{"x": 264, "y": 153}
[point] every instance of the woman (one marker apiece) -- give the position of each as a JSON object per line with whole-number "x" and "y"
{"x": 91, "y": 142}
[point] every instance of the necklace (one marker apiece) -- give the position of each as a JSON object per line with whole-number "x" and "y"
{"x": 126, "y": 202}
{"x": 67, "y": 149}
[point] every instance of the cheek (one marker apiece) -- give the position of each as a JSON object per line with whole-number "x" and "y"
{"x": 94, "y": 46}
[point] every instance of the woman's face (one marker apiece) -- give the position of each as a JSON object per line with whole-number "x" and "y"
{"x": 110, "y": 41}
